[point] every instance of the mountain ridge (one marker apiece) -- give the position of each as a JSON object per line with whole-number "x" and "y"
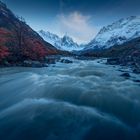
{"x": 116, "y": 33}
{"x": 65, "y": 43}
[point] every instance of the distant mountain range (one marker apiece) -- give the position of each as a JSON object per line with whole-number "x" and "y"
{"x": 117, "y": 33}
{"x": 64, "y": 43}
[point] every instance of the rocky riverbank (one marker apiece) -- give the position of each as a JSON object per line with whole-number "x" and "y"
{"x": 132, "y": 62}
{"x": 52, "y": 59}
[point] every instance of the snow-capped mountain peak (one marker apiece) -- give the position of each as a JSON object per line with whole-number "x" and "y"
{"x": 117, "y": 33}
{"x": 64, "y": 43}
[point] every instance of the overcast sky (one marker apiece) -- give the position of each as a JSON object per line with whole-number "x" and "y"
{"x": 80, "y": 19}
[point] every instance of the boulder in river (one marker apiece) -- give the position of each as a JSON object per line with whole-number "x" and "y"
{"x": 126, "y": 75}
{"x": 66, "y": 61}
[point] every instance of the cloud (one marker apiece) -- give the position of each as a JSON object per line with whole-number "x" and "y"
{"x": 77, "y": 25}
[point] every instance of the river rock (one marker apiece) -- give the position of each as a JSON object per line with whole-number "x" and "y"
{"x": 126, "y": 75}
{"x": 66, "y": 61}
{"x": 113, "y": 61}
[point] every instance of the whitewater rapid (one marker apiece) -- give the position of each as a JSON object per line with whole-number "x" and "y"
{"x": 85, "y": 100}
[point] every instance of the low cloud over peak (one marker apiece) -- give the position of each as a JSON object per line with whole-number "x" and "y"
{"x": 77, "y": 25}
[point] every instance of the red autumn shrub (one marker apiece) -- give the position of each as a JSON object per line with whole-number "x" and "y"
{"x": 4, "y": 32}
{"x": 34, "y": 50}
{"x": 3, "y": 52}
{"x": 5, "y": 35}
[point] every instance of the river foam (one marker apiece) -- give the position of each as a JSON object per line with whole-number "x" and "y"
{"x": 85, "y": 100}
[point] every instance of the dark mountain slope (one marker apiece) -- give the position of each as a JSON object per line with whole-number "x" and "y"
{"x": 19, "y": 42}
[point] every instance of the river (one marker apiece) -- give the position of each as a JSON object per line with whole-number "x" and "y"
{"x": 85, "y": 100}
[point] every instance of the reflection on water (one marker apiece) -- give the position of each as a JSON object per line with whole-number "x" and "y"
{"x": 85, "y": 100}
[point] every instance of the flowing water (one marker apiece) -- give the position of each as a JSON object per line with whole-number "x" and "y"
{"x": 86, "y": 100}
